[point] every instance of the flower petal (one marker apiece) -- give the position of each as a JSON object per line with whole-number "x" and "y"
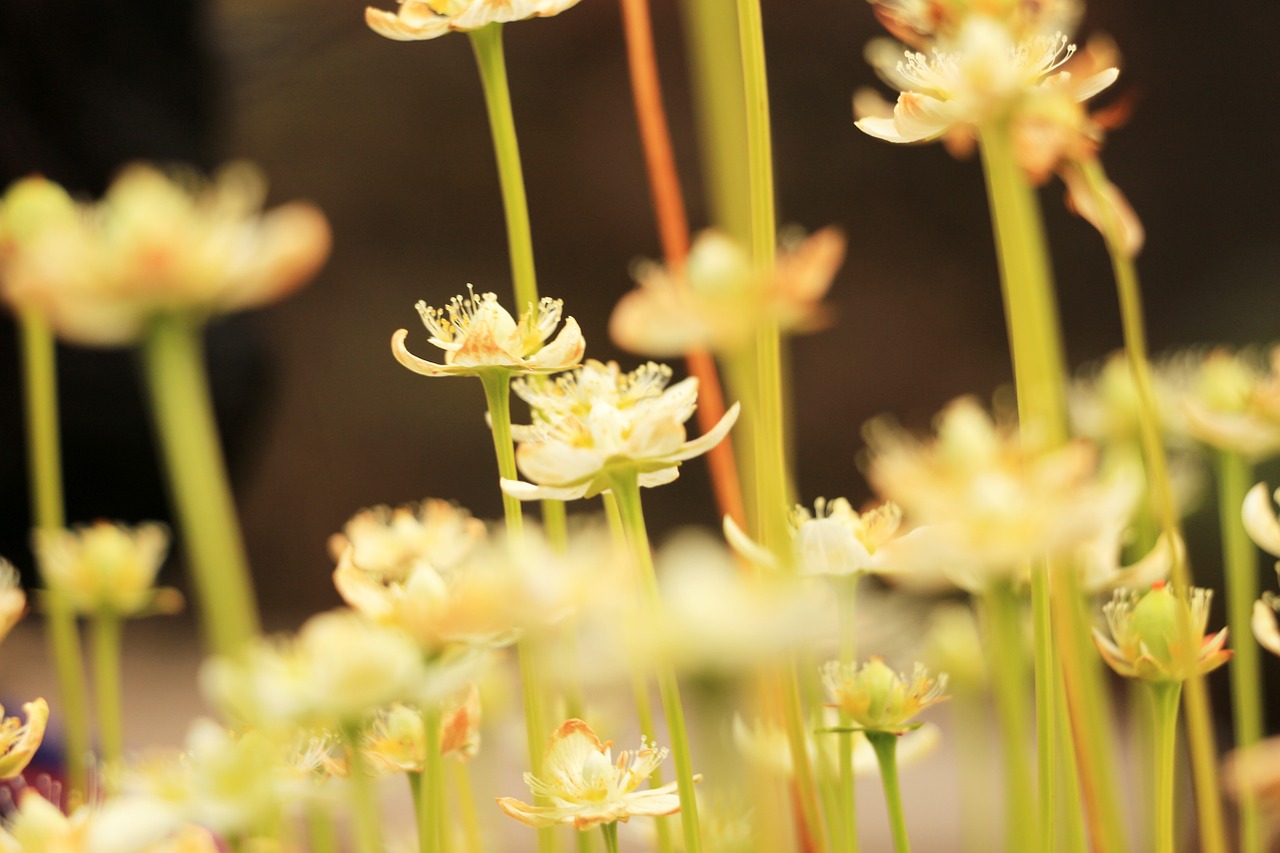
{"x": 703, "y": 443}
{"x": 411, "y": 361}
{"x": 1265, "y": 627}
{"x": 1260, "y": 519}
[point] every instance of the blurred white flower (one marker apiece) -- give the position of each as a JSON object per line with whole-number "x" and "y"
{"x": 418, "y": 20}
{"x": 391, "y": 543}
{"x": 106, "y": 567}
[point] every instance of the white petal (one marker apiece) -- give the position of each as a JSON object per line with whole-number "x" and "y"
{"x": 529, "y": 492}
{"x": 411, "y": 361}
{"x": 650, "y": 479}
{"x": 1265, "y": 628}
{"x": 746, "y": 546}
{"x": 562, "y": 353}
{"x": 1260, "y": 519}
{"x": 703, "y": 443}
{"x": 554, "y": 463}
{"x": 1094, "y": 84}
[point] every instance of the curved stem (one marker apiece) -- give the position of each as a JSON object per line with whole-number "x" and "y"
{"x": 486, "y": 42}
{"x": 626, "y": 490}
{"x": 106, "y": 677}
{"x": 204, "y": 504}
{"x": 886, "y": 747}
{"x": 1164, "y": 705}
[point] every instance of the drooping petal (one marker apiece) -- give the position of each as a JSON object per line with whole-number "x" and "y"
{"x": 556, "y": 463}
{"x": 705, "y": 442}
{"x": 411, "y": 361}
{"x": 522, "y": 491}
{"x": 1260, "y": 519}
{"x": 416, "y": 22}
{"x": 1266, "y": 630}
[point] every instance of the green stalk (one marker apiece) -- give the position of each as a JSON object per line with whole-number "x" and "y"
{"x": 204, "y": 505}
{"x": 626, "y": 490}
{"x": 486, "y": 42}
{"x": 467, "y": 807}
{"x": 1048, "y": 747}
{"x": 1008, "y": 673}
{"x": 106, "y": 628}
{"x": 610, "y": 831}
{"x": 886, "y": 747}
{"x": 417, "y": 793}
{"x": 430, "y": 801}
{"x": 364, "y": 802}
{"x": 555, "y": 524}
{"x": 847, "y": 591}
{"x": 321, "y": 837}
{"x": 1235, "y": 476}
{"x": 1164, "y": 705}
{"x": 1200, "y": 737}
{"x": 44, "y": 472}
{"x": 497, "y": 395}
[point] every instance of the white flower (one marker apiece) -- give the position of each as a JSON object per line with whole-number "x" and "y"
{"x": 391, "y": 543}
{"x": 586, "y": 786}
{"x": 1232, "y": 401}
{"x": 477, "y": 334}
{"x": 104, "y": 566}
{"x": 418, "y": 20}
{"x": 607, "y": 428}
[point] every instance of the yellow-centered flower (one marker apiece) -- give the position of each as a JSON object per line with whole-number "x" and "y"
{"x": 1232, "y": 400}
{"x": 1160, "y": 636}
{"x": 587, "y": 786}
{"x": 418, "y": 20}
{"x": 106, "y": 567}
{"x": 877, "y": 698}
{"x": 477, "y": 335}
{"x": 391, "y": 543}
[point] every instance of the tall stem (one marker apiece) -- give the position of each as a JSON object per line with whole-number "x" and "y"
{"x": 1164, "y": 705}
{"x": 847, "y": 591}
{"x": 498, "y": 398}
{"x": 106, "y": 678}
{"x": 626, "y": 490}
{"x": 368, "y": 823}
{"x": 321, "y": 836}
{"x": 486, "y": 42}
{"x": 610, "y": 831}
{"x": 44, "y": 473}
{"x": 198, "y": 484}
{"x": 886, "y": 747}
{"x": 467, "y": 806}
{"x": 1235, "y": 475}
{"x": 1200, "y": 737}
{"x": 431, "y": 800}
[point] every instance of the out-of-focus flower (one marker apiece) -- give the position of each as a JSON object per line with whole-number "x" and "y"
{"x": 395, "y": 742}
{"x": 1232, "y": 400}
{"x": 1264, "y": 529}
{"x": 157, "y": 243}
{"x": 920, "y": 22}
{"x": 1160, "y": 636}
{"x": 418, "y": 20}
{"x": 340, "y": 668}
{"x": 586, "y": 786}
{"x": 19, "y": 741}
{"x": 614, "y": 430}
{"x": 877, "y": 698}
{"x": 766, "y": 745}
{"x": 1104, "y": 404}
{"x": 13, "y": 601}
{"x": 478, "y": 335}
{"x": 835, "y": 539}
{"x": 122, "y": 825}
{"x": 391, "y": 543}
{"x": 989, "y": 502}
{"x": 1253, "y": 772}
{"x": 718, "y": 299}
{"x": 107, "y": 567}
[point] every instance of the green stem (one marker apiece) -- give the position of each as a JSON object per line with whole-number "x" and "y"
{"x": 417, "y": 792}
{"x": 610, "y": 831}
{"x": 106, "y": 629}
{"x": 467, "y": 807}
{"x": 1164, "y": 704}
{"x": 431, "y": 800}
{"x": 1235, "y": 476}
{"x": 886, "y": 747}
{"x": 321, "y": 837}
{"x": 1047, "y": 679}
{"x": 555, "y": 524}
{"x": 44, "y": 472}
{"x": 497, "y": 395}
{"x": 1008, "y": 674}
{"x": 204, "y": 504}
{"x": 486, "y": 42}
{"x": 1199, "y": 719}
{"x": 626, "y": 490}
{"x": 364, "y": 802}
{"x": 847, "y": 591}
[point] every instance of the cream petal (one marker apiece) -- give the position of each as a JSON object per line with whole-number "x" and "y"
{"x": 881, "y": 128}
{"x": 522, "y": 491}
{"x": 1094, "y": 83}
{"x": 1260, "y": 519}
{"x": 746, "y": 546}
{"x": 655, "y": 803}
{"x": 411, "y": 361}
{"x": 703, "y": 443}
{"x": 554, "y": 463}
{"x": 535, "y": 816}
{"x": 921, "y": 117}
{"x": 564, "y": 352}
{"x": 1154, "y": 566}
{"x": 1265, "y": 628}
{"x": 654, "y": 438}
{"x": 650, "y": 479}
{"x": 392, "y": 26}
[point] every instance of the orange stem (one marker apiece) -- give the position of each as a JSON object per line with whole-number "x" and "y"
{"x": 673, "y": 230}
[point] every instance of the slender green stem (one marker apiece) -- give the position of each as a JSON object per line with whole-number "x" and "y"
{"x": 1164, "y": 704}
{"x": 417, "y": 792}
{"x": 1008, "y": 676}
{"x": 1235, "y": 476}
{"x": 364, "y": 801}
{"x": 106, "y": 629}
{"x": 430, "y": 802}
{"x": 847, "y": 591}
{"x": 198, "y": 484}
{"x": 1047, "y": 679}
{"x": 321, "y": 836}
{"x": 626, "y": 490}
{"x": 610, "y": 831}
{"x": 886, "y": 747}
{"x": 44, "y": 473}
{"x": 1199, "y": 718}
{"x": 497, "y": 395}
{"x": 467, "y": 807}
{"x": 486, "y": 42}
{"x": 555, "y": 524}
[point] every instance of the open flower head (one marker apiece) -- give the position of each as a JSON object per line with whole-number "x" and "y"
{"x": 126, "y": 824}
{"x": 718, "y": 300}
{"x": 877, "y": 698}
{"x": 921, "y": 23}
{"x": 156, "y": 243}
{"x": 395, "y": 741}
{"x": 1232, "y": 400}
{"x": 106, "y": 567}
{"x": 18, "y": 740}
{"x": 1160, "y": 636}
{"x": 418, "y": 20}
{"x": 391, "y": 543}
{"x": 478, "y": 335}
{"x": 586, "y": 786}
{"x": 630, "y": 424}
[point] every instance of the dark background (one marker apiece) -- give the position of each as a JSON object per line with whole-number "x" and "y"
{"x": 391, "y": 140}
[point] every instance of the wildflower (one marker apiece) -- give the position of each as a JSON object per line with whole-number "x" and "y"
{"x": 767, "y": 745}
{"x": 391, "y": 543}
{"x": 989, "y": 500}
{"x": 878, "y": 699}
{"x": 106, "y": 567}
{"x": 395, "y": 741}
{"x": 418, "y": 20}
{"x": 1232, "y": 401}
{"x": 156, "y": 243}
{"x": 13, "y": 601}
{"x": 920, "y": 22}
{"x": 19, "y": 741}
{"x": 1264, "y": 529}
{"x": 1104, "y": 405}
{"x": 608, "y": 430}
{"x": 478, "y": 335}
{"x": 586, "y": 786}
{"x": 130, "y": 824}
{"x": 718, "y": 299}
{"x": 1159, "y": 636}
